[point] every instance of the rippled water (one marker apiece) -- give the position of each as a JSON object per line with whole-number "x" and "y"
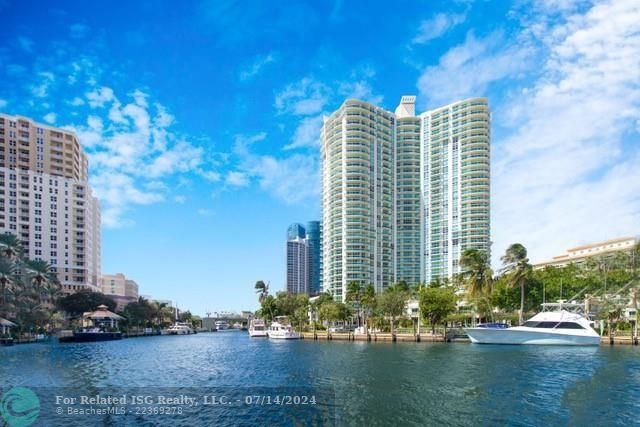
{"x": 370, "y": 383}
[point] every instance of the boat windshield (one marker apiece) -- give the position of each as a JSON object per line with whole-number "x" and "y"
{"x": 552, "y": 325}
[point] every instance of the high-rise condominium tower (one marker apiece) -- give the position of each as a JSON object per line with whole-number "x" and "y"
{"x": 402, "y": 195}
{"x": 456, "y": 186}
{"x": 304, "y": 261}
{"x": 358, "y": 142}
{"x": 297, "y": 265}
{"x": 46, "y": 201}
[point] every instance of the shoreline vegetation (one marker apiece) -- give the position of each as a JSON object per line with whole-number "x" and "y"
{"x": 607, "y": 284}
{"x": 32, "y": 301}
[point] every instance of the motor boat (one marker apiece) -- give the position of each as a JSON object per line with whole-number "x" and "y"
{"x": 557, "y": 324}
{"x": 89, "y": 335}
{"x": 257, "y": 328}
{"x": 179, "y": 328}
{"x": 281, "y": 329}
{"x": 222, "y": 325}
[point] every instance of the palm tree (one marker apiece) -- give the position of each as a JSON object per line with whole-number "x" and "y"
{"x": 262, "y": 289}
{"x": 368, "y": 302}
{"x": 477, "y": 275}
{"x": 10, "y": 246}
{"x": 516, "y": 265}
{"x": 42, "y": 276}
{"x": 7, "y": 282}
{"x": 353, "y": 296}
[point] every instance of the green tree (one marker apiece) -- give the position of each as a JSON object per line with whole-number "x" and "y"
{"x": 436, "y": 303}
{"x": 353, "y": 297}
{"x": 517, "y": 267}
{"x": 10, "y": 246}
{"x": 83, "y": 301}
{"x": 477, "y": 277}
{"x": 369, "y": 302}
{"x": 392, "y": 303}
{"x": 43, "y": 278}
{"x": 262, "y": 289}
{"x": 268, "y": 308}
{"x": 8, "y": 282}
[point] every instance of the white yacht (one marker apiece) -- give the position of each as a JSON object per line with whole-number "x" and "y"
{"x": 558, "y": 323}
{"x": 282, "y": 330}
{"x": 257, "y": 328}
{"x": 178, "y": 328}
{"x": 222, "y": 325}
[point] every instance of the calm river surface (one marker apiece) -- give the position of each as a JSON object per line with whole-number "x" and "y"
{"x": 357, "y": 383}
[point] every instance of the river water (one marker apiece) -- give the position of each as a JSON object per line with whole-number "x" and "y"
{"x": 354, "y": 383}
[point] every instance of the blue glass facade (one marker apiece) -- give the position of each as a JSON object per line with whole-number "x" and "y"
{"x": 314, "y": 242}
{"x": 296, "y": 231}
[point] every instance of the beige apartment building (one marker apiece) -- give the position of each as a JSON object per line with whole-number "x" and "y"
{"x": 46, "y": 200}
{"x": 580, "y": 254}
{"x": 119, "y": 288}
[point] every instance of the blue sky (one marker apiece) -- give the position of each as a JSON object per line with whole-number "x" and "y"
{"x": 201, "y": 119}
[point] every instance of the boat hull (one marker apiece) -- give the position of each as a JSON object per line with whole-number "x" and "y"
{"x": 91, "y": 337}
{"x": 519, "y": 337}
{"x": 284, "y": 336}
{"x": 257, "y": 334}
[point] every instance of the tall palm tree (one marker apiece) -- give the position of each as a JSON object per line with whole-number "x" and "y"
{"x": 7, "y": 283}
{"x": 262, "y": 289}
{"x": 477, "y": 275}
{"x": 516, "y": 265}
{"x": 10, "y": 246}
{"x": 354, "y": 293}
{"x": 42, "y": 277}
{"x": 368, "y": 302}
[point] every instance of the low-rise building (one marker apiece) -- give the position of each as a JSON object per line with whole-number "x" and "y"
{"x": 580, "y": 254}
{"x": 120, "y": 289}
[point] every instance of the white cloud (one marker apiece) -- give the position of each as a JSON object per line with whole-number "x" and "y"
{"x": 98, "y": 97}
{"x": 308, "y": 98}
{"x": 180, "y": 199}
{"x": 307, "y": 133}
{"x": 469, "y": 68}
{"x": 132, "y": 150}
{"x": 437, "y": 26}
{"x": 41, "y": 89}
{"x": 77, "y": 101}
{"x": 360, "y": 89}
{"x": 78, "y": 31}
{"x": 567, "y": 172}
{"x": 3, "y": 103}
{"x": 237, "y": 179}
{"x": 290, "y": 179}
{"x": 305, "y": 97}
{"x": 50, "y": 118}
{"x": 256, "y": 67}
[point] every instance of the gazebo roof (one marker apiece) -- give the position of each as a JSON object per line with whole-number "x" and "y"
{"x": 5, "y": 322}
{"x": 102, "y": 312}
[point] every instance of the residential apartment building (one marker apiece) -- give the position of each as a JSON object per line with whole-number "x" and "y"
{"x": 580, "y": 254}
{"x": 297, "y": 266}
{"x": 456, "y": 184}
{"x": 304, "y": 260}
{"x": 46, "y": 201}
{"x": 119, "y": 288}
{"x": 403, "y": 194}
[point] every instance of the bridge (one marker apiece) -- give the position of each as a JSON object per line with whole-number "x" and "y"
{"x": 209, "y": 323}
